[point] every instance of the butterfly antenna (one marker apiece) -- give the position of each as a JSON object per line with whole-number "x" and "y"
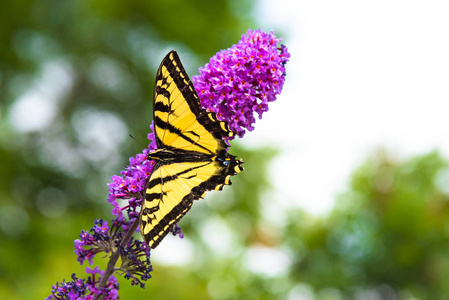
{"x": 143, "y": 146}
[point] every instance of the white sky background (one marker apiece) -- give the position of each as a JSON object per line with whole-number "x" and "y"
{"x": 363, "y": 75}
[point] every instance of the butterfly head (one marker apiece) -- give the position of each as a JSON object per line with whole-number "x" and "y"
{"x": 232, "y": 164}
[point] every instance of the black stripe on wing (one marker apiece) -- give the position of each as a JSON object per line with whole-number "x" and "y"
{"x": 152, "y": 183}
{"x": 155, "y": 236}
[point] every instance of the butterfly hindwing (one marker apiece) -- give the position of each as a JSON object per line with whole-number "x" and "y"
{"x": 191, "y": 158}
{"x": 162, "y": 207}
{"x": 171, "y": 190}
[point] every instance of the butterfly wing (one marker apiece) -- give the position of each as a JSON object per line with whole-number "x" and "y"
{"x": 171, "y": 190}
{"x": 194, "y": 137}
{"x": 179, "y": 120}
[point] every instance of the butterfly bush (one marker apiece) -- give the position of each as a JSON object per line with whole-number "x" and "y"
{"x": 236, "y": 84}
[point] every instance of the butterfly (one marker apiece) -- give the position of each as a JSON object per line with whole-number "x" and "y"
{"x": 191, "y": 156}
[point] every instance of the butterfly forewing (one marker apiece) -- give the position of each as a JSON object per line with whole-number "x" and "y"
{"x": 179, "y": 120}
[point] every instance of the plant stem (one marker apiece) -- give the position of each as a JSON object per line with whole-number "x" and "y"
{"x": 114, "y": 257}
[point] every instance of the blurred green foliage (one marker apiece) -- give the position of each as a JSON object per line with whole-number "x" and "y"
{"x": 77, "y": 76}
{"x": 387, "y": 237}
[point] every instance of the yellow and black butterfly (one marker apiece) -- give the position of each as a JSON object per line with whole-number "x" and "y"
{"x": 191, "y": 158}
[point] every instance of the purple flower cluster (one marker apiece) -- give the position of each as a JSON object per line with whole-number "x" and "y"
{"x": 96, "y": 241}
{"x": 135, "y": 257}
{"x": 242, "y": 79}
{"x": 136, "y": 263}
{"x": 78, "y": 289}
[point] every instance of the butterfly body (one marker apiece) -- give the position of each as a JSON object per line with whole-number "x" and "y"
{"x": 191, "y": 158}
{"x": 173, "y": 156}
